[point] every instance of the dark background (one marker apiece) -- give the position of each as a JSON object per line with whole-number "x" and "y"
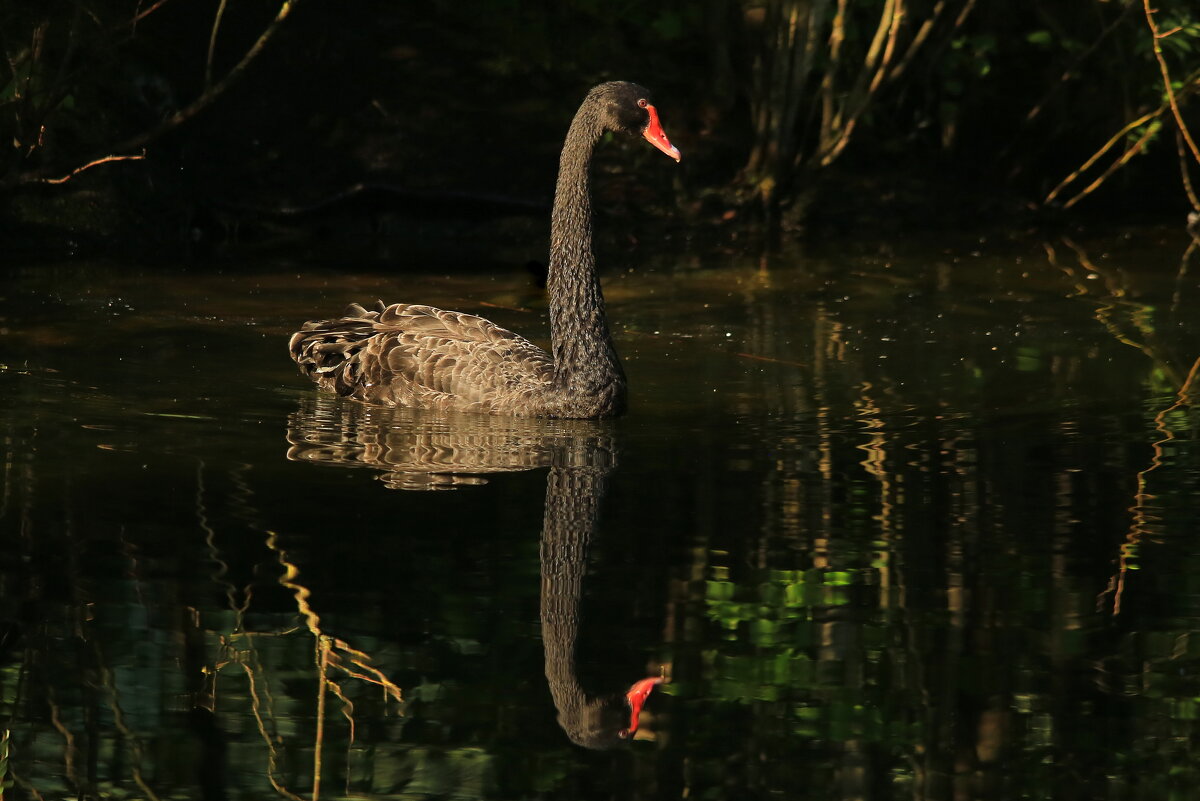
{"x": 361, "y": 112}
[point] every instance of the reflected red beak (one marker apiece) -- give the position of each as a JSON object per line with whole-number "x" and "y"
{"x": 656, "y": 136}
{"x": 636, "y": 697}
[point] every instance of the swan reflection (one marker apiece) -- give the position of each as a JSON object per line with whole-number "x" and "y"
{"x": 419, "y": 450}
{"x": 416, "y": 450}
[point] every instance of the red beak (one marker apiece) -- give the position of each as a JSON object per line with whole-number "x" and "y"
{"x": 656, "y": 136}
{"x": 641, "y": 690}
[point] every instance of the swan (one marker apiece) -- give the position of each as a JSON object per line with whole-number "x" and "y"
{"x": 422, "y": 357}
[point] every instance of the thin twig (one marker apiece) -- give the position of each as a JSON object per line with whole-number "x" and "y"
{"x": 1107, "y": 146}
{"x": 141, "y": 15}
{"x": 93, "y": 163}
{"x": 1129, "y": 153}
{"x": 758, "y": 358}
{"x": 212, "y": 44}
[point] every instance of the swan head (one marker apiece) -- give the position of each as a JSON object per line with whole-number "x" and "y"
{"x": 627, "y": 107}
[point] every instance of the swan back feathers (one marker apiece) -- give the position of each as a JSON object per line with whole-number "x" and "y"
{"x": 416, "y": 355}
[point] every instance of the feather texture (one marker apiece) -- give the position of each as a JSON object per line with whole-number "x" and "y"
{"x": 419, "y": 356}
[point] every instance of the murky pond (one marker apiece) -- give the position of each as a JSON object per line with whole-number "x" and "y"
{"x": 903, "y": 520}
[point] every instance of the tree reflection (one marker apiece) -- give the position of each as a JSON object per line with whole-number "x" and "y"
{"x": 914, "y": 604}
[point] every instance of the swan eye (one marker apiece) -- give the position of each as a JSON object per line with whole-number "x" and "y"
{"x": 642, "y": 103}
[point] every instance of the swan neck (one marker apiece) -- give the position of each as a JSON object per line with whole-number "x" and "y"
{"x": 581, "y": 343}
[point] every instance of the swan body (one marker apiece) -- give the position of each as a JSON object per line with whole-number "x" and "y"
{"x": 423, "y": 357}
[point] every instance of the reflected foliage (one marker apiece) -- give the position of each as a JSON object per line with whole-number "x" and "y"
{"x": 940, "y": 595}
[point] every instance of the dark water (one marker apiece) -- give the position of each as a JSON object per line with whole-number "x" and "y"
{"x": 914, "y": 520}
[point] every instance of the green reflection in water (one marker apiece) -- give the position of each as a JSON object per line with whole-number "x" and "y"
{"x": 911, "y": 521}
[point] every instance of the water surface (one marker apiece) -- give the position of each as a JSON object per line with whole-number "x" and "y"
{"x": 910, "y": 519}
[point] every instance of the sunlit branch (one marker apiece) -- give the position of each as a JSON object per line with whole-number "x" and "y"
{"x": 94, "y": 163}
{"x": 1170, "y": 91}
{"x": 1190, "y": 85}
{"x": 889, "y": 50}
{"x": 865, "y": 86}
{"x": 1129, "y": 153}
{"x": 918, "y": 39}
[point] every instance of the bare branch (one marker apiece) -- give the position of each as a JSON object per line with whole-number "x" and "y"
{"x": 93, "y": 163}
{"x": 206, "y": 99}
{"x": 1191, "y": 84}
{"x": 141, "y": 15}
{"x": 918, "y": 39}
{"x": 1129, "y": 153}
{"x": 209, "y": 96}
{"x": 212, "y": 44}
{"x": 1166, "y": 76}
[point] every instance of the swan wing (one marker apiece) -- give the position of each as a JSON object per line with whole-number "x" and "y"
{"x": 416, "y": 355}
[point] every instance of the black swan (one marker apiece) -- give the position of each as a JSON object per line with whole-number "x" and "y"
{"x": 419, "y": 356}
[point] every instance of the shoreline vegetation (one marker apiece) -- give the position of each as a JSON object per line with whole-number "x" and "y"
{"x": 165, "y": 127}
